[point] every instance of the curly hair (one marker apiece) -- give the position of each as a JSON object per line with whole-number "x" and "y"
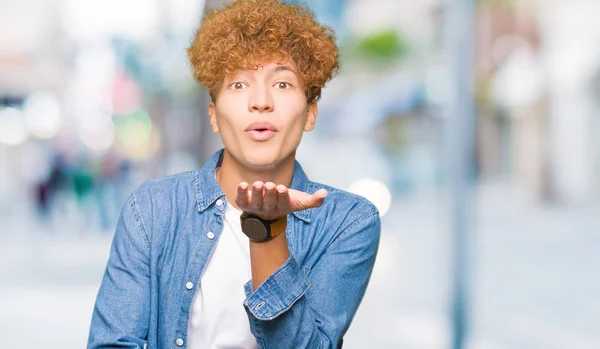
{"x": 246, "y": 33}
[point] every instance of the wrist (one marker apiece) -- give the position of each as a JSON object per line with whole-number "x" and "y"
{"x": 261, "y": 230}
{"x": 274, "y": 241}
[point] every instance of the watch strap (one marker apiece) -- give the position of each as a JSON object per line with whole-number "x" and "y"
{"x": 278, "y": 226}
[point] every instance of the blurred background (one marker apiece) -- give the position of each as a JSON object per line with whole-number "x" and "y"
{"x": 97, "y": 97}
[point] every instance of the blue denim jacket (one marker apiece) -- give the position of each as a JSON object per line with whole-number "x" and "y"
{"x": 166, "y": 234}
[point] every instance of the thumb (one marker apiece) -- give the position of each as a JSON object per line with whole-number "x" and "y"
{"x": 303, "y": 201}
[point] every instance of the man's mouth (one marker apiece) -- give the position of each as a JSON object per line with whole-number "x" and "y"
{"x": 261, "y": 131}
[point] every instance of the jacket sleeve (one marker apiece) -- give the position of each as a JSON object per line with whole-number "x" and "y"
{"x": 121, "y": 313}
{"x": 301, "y": 308}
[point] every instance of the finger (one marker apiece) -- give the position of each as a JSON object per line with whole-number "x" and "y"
{"x": 256, "y": 200}
{"x": 242, "y": 198}
{"x": 270, "y": 198}
{"x": 318, "y": 198}
{"x": 283, "y": 198}
{"x": 320, "y": 194}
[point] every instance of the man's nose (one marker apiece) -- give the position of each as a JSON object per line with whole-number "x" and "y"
{"x": 261, "y": 100}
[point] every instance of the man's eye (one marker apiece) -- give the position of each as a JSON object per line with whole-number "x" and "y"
{"x": 283, "y": 85}
{"x": 237, "y": 85}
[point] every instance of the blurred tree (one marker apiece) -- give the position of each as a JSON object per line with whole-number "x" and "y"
{"x": 386, "y": 45}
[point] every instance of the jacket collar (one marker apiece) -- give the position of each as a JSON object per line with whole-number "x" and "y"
{"x": 208, "y": 189}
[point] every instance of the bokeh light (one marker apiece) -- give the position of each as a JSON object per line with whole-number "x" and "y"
{"x": 375, "y": 191}
{"x": 97, "y": 131}
{"x": 42, "y": 114}
{"x": 13, "y": 130}
{"x": 134, "y": 133}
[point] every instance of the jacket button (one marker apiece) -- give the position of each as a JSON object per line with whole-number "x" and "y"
{"x": 210, "y": 235}
{"x": 219, "y": 202}
{"x": 179, "y": 342}
{"x": 189, "y": 285}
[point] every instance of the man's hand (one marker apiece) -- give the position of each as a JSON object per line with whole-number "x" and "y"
{"x": 270, "y": 201}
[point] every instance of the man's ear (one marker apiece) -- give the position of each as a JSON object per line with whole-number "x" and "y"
{"x": 212, "y": 112}
{"x": 311, "y": 116}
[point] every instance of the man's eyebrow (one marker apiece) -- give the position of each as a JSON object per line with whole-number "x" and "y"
{"x": 281, "y": 68}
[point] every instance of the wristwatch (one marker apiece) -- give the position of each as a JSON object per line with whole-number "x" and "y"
{"x": 261, "y": 230}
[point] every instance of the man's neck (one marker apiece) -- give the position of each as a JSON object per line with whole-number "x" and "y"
{"x": 232, "y": 173}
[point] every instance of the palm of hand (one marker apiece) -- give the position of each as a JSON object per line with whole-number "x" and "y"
{"x": 270, "y": 201}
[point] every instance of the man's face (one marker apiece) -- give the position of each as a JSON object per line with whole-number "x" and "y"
{"x": 261, "y": 114}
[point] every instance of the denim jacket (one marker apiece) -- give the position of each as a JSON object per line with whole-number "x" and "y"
{"x": 166, "y": 234}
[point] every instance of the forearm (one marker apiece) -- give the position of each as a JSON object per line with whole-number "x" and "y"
{"x": 267, "y": 257}
{"x": 312, "y": 306}
{"x": 282, "y": 315}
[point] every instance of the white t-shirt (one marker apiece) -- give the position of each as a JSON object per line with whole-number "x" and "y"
{"x": 218, "y": 319}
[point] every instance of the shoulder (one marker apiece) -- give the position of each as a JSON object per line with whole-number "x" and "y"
{"x": 168, "y": 186}
{"x": 156, "y": 203}
{"x": 164, "y": 196}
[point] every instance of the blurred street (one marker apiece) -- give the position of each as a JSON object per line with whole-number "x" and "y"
{"x": 535, "y": 274}
{"x": 97, "y": 97}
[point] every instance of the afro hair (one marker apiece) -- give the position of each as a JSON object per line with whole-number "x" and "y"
{"x": 247, "y": 33}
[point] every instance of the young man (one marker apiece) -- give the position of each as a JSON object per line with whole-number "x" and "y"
{"x": 245, "y": 252}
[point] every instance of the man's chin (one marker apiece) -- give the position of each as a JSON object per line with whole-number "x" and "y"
{"x": 262, "y": 160}
{"x": 260, "y": 164}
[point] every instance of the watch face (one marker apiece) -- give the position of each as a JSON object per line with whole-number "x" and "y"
{"x": 255, "y": 229}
